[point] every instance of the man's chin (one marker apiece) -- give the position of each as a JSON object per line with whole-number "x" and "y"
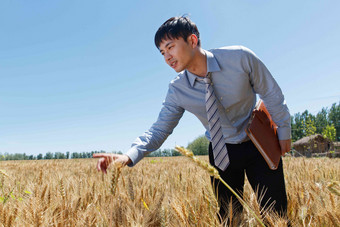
{"x": 178, "y": 70}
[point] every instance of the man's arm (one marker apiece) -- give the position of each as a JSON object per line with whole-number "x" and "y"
{"x": 152, "y": 139}
{"x": 269, "y": 91}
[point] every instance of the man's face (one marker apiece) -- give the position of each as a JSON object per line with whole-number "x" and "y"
{"x": 177, "y": 53}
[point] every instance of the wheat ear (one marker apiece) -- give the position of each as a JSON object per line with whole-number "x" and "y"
{"x": 213, "y": 172}
{"x": 3, "y": 173}
{"x": 115, "y": 176}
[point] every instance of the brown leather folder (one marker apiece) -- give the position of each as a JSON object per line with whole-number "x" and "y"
{"x": 262, "y": 131}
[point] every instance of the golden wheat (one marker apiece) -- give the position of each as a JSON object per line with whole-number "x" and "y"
{"x": 213, "y": 172}
{"x": 176, "y": 191}
{"x": 3, "y": 173}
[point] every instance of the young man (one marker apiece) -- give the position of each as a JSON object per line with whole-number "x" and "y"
{"x": 225, "y": 80}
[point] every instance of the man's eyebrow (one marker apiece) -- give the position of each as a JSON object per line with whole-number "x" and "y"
{"x": 168, "y": 43}
{"x": 160, "y": 50}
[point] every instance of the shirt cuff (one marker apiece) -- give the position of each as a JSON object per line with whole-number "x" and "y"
{"x": 132, "y": 153}
{"x": 284, "y": 133}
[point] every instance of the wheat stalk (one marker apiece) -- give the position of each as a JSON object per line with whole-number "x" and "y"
{"x": 213, "y": 172}
{"x": 3, "y": 173}
{"x": 62, "y": 189}
{"x": 333, "y": 187}
{"x": 115, "y": 176}
{"x": 131, "y": 190}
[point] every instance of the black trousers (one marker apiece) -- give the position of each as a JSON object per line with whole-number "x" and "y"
{"x": 268, "y": 184}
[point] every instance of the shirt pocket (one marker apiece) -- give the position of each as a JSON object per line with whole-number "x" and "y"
{"x": 237, "y": 108}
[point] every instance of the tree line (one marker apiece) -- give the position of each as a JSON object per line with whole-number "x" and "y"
{"x": 325, "y": 122}
{"x": 76, "y": 155}
{"x": 50, "y": 155}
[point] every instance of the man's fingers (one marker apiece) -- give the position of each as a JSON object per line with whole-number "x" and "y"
{"x": 99, "y": 163}
{"x": 284, "y": 150}
{"x": 98, "y": 166}
{"x": 101, "y": 155}
{"x": 285, "y": 146}
{"x": 106, "y": 159}
{"x": 110, "y": 157}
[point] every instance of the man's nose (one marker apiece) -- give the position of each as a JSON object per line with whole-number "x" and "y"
{"x": 167, "y": 56}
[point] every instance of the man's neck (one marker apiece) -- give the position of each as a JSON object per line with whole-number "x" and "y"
{"x": 198, "y": 65}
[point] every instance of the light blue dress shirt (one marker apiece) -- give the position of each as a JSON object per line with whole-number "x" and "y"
{"x": 237, "y": 76}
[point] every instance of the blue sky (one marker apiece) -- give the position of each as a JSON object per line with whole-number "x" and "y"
{"x": 85, "y": 75}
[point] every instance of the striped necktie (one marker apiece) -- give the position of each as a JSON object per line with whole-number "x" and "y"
{"x": 220, "y": 151}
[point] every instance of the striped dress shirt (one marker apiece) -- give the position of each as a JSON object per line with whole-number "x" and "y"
{"x": 238, "y": 75}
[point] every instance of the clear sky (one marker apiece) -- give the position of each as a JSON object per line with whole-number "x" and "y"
{"x": 85, "y": 75}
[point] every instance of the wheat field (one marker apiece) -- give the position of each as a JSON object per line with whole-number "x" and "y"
{"x": 168, "y": 191}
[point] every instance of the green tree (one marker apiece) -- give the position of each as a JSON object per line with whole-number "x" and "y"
{"x": 297, "y": 127}
{"x": 321, "y": 120}
{"x": 329, "y": 132}
{"x": 334, "y": 118}
{"x": 75, "y": 155}
{"x": 59, "y": 155}
{"x": 156, "y": 153}
{"x": 199, "y": 146}
{"x": 310, "y": 128}
{"x": 166, "y": 152}
{"x": 175, "y": 152}
{"x": 39, "y": 156}
{"x": 49, "y": 155}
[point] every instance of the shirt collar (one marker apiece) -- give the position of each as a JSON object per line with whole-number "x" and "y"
{"x": 212, "y": 66}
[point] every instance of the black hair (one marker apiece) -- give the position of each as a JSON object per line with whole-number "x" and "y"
{"x": 176, "y": 27}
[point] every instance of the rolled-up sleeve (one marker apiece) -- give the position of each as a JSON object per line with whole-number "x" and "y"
{"x": 153, "y": 138}
{"x": 269, "y": 91}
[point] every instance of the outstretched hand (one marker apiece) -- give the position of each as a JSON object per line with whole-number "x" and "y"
{"x": 106, "y": 159}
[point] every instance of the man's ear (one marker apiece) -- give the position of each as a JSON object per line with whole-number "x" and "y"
{"x": 192, "y": 40}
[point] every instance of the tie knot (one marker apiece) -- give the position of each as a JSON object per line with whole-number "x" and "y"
{"x": 207, "y": 80}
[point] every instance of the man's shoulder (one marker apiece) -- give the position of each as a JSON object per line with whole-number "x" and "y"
{"x": 181, "y": 78}
{"x": 233, "y": 54}
{"x": 232, "y": 50}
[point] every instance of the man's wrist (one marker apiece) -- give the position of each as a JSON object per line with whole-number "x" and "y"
{"x": 284, "y": 133}
{"x": 128, "y": 160}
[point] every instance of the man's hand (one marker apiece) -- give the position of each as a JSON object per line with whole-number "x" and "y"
{"x": 106, "y": 159}
{"x": 285, "y": 146}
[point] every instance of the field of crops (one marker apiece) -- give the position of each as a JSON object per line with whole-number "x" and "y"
{"x": 156, "y": 192}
